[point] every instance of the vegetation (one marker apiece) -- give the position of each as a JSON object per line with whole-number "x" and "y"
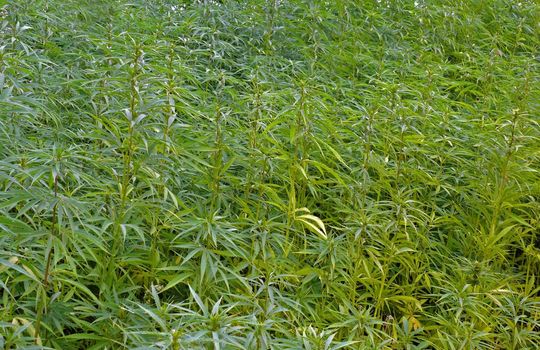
{"x": 269, "y": 174}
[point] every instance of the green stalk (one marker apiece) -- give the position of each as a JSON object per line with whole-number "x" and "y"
{"x": 53, "y": 232}
{"x": 128, "y": 153}
{"x": 217, "y": 161}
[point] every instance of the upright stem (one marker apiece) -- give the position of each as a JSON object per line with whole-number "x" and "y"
{"x": 217, "y": 160}
{"x": 504, "y": 172}
{"x": 253, "y": 140}
{"x": 170, "y": 110}
{"x": 298, "y": 160}
{"x": 42, "y": 306}
{"x": 128, "y": 153}
{"x": 53, "y": 232}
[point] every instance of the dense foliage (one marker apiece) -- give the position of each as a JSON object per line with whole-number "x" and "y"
{"x": 266, "y": 174}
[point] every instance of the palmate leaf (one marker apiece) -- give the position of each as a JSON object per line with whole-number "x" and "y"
{"x": 24, "y": 270}
{"x": 311, "y": 221}
{"x": 269, "y": 174}
{"x": 14, "y": 226}
{"x": 199, "y": 301}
